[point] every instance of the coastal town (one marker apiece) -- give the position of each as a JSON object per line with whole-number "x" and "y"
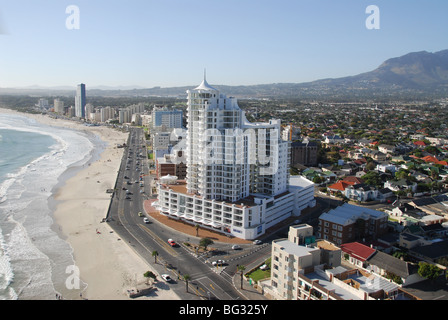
{"x": 355, "y": 211}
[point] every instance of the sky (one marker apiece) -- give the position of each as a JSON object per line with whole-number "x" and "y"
{"x": 167, "y": 43}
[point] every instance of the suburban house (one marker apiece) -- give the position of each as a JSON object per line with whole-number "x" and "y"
{"x": 401, "y": 184}
{"x": 361, "y": 192}
{"x": 356, "y": 253}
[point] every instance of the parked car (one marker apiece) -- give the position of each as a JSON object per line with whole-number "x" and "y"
{"x": 257, "y": 242}
{"x": 236, "y": 247}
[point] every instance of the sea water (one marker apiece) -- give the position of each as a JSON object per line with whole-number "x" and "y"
{"x": 34, "y": 257}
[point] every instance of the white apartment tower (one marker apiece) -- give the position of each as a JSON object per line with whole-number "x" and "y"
{"x": 237, "y": 172}
{"x": 228, "y": 157}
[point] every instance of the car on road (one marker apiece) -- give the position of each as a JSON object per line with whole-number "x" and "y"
{"x": 166, "y": 277}
{"x": 145, "y": 220}
{"x": 236, "y": 247}
{"x": 140, "y": 214}
{"x": 172, "y": 242}
{"x": 257, "y": 242}
{"x": 218, "y": 263}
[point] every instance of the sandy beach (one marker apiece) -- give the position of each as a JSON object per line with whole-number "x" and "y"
{"x": 108, "y": 266}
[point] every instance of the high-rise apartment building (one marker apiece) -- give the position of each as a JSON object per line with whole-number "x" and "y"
{"x": 237, "y": 172}
{"x": 170, "y": 118}
{"x": 59, "y": 106}
{"x": 80, "y": 101}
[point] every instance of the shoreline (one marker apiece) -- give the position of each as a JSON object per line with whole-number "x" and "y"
{"x": 79, "y": 202}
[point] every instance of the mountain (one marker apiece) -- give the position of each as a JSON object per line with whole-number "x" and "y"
{"x": 417, "y": 75}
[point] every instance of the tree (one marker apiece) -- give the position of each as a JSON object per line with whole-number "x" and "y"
{"x": 186, "y": 278}
{"x": 205, "y": 242}
{"x": 197, "y": 230}
{"x": 428, "y": 271}
{"x": 149, "y": 274}
{"x": 155, "y": 254}
{"x": 372, "y": 178}
{"x": 241, "y": 269}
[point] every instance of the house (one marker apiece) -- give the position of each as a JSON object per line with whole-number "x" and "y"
{"x": 401, "y": 184}
{"x": 361, "y": 192}
{"x": 334, "y": 139}
{"x": 339, "y": 186}
{"x": 432, "y": 205}
{"x": 419, "y": 144}
{"x": 386, "y": 265}
{"x": 387, "y": 149}
{"x": 386, "y": 166}
{"x": 431, "y": 252}
{"x": 384, "y": 194}
{"x": 356, "y": 253}
{"x": 409, "y": 241}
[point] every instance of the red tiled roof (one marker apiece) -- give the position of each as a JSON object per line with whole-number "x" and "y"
{"x": 420, "y": 143}
{"x": 357, "y": 250}
{"x": 353, "y": 180}
{"x": 340, "y": 185}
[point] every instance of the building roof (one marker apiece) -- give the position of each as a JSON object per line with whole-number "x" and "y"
{"x": 340, "y": 185}
{"x": 433, "y": 251}
{"x": 358, "y": 250}
{"x": 205, "y": 86}
{"x": 348, "y": 213}
{"x": 390, "y": 264}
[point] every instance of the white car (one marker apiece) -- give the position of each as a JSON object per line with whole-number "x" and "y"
{"x": 145, "y": 220}
{"x": 236, "y": 247}
{"x": 218, "y": 263}
{"x": 166, "y": 277}
{"x": 257, "y": 242}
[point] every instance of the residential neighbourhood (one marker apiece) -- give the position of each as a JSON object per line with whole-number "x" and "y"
{"x": 391, "y": 225}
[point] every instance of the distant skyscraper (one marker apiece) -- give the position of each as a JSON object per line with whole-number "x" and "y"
{"x": 58, "y": 106}
{"x": 80, "y": 101}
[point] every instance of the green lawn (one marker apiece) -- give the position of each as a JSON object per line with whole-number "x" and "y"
{"x": 259, "y": 274}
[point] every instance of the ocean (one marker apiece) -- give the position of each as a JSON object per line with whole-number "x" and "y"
{"x": 35, "y": 160}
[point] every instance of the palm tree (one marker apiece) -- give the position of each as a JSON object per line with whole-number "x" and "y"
{"x": 155, "y": 254}
{"x": 197, "y": 230}
{"x": 241, "y": 268}
{"x": 186, "y": 278}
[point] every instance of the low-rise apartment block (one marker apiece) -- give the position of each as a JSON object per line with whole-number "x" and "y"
{"x": 349, "y": 222}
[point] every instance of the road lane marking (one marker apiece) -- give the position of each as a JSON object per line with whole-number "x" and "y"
{"x": 164, "y": 244}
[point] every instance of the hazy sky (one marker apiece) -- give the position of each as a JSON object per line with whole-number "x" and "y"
{"x": 240, "y": 42}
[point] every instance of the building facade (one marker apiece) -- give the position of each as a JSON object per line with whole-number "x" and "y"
{"x": 304, "y": 153}
{"x": 170, "y": 118}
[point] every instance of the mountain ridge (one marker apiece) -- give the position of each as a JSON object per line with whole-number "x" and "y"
{"x": 414, "y": 75}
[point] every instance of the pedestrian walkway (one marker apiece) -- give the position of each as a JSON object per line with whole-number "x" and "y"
{"x": 247, "y": 291}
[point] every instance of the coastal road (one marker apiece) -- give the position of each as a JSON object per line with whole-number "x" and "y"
{"x": 206, "y": 282}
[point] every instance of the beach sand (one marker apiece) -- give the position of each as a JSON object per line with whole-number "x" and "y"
{"x": 109, "y": 267}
